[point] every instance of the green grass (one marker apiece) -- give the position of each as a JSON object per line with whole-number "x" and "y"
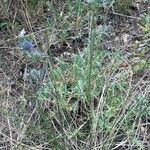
{"x": 89, "y": 99}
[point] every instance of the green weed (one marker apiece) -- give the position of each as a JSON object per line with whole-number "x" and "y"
{"x": 122, "y": 6}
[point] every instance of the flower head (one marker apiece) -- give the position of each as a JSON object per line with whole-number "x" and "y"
{"x": 27, "y": 46}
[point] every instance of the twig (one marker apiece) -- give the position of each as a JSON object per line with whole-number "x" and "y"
{"x": 122, "y": 15}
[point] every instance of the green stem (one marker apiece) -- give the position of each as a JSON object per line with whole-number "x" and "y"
{"x": 89, "y": 79}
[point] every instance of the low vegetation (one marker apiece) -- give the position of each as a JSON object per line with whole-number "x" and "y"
{"x": 75, "y": 75}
